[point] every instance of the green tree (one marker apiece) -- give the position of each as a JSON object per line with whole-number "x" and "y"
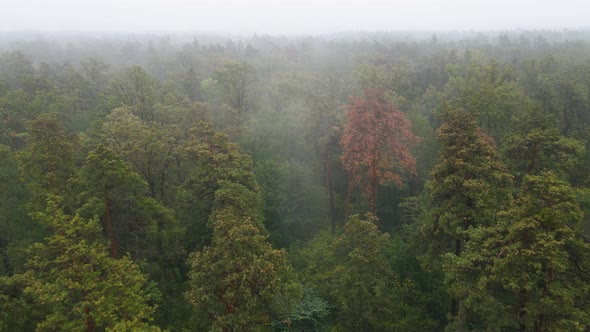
{"x": 323, "y": 126}
{"x": 239, "y": 279}
{"x": 107, "y": 183}
{"x": 489, "y": 92}
{"x": 48, "y": 160}
{"x": 133, "y": 222}
{"x": 78, "y": 285}
{"x": 353, "y": 272}
{"x": 152, "y": 149}
{"x": 536, "y": 145}
{"x": 468, "y": 187}
{"x": 530, "y": 271}
{"x": 17, "y": 230}
{"x": 234, "y": 80}
{"x": 212, "y": 158}
{"x": 137, "y": 90}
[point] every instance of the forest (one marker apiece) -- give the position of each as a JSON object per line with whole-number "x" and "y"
{"x": 378, "y": 181}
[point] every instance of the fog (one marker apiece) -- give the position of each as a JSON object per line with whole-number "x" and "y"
{"x": 290, "y": 16}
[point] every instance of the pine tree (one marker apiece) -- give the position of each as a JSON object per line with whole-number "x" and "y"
{"x": 106, "y": 181}
{"x": 536, "y": 145}
{"x": 354, "y": 273}
{"x": 213, "y": 158}
{"x": 81, "y": 288}
{"x": 48, "y": 160}
{"x": 468, "y": 187}
{"x": 132, "y": 220}
{"x": 530, "y": 271}
{"x": 239, "y": 279}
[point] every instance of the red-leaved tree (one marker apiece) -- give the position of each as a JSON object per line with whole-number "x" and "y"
{"x": 376, "y": 143}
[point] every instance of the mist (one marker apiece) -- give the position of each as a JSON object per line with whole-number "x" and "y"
{"x": 290, "y": 17}
{"x": 294, "y": 165}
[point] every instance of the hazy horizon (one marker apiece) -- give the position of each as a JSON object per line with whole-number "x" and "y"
{"x": 290, "y": 17}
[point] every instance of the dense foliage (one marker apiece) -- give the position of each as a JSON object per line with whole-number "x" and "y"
{"x": 353, "y": 182}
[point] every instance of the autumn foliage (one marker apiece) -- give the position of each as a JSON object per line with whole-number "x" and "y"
{"x": 376, "y": 143}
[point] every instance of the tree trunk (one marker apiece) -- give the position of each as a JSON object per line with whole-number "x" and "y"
{"x": 109, "y": 225}
{"x": 522, "y": 312}
{"x": 454, "y": 303}
{"x": 373, "y": 182}
{"x": 346, "y": 209}
{"x": 88, "y": 321}
{"x": 330, "y": 187}
{"x": 5, "y": 260}
{"x": 372, "y": 190}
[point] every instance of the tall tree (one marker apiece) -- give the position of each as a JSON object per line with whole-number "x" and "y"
{"x": 212, "y": 158}
{"x": 353, "y": 272}
{"x": 106, "y": 181}
{"x": 239, "y": 279}
{"x": 17, "y": 230}
{"x": 530, "y": 271}
{"x": 489, "y": 92}
{"x": 376, "y": 143}
{"x": 536, "y": 145}
{"x": 234, "y": 80}
{"x": 48, "y": 160}
{"x": 137, "y": 90}
{"x": 323, "y": 125}
{"x": 133, "y": 222}
{"x": 468, "y": 187}
{"x": 78, "y": 285}
{"x": 151, "y": 148}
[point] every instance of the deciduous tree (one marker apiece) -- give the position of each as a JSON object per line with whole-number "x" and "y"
{"x": 376, "y": 143}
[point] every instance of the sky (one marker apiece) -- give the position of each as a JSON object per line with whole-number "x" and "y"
{"x": 290, "y": 16}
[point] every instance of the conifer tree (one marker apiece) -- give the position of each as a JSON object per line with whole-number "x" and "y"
{"x": 79, "y": 286}
{"x": 133, "y": 222}
{"x": 239, "y": 280}
{"x": 530, "y": 271}
{"x": 468, "y": 187}
{"x": 48, "y": 160}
